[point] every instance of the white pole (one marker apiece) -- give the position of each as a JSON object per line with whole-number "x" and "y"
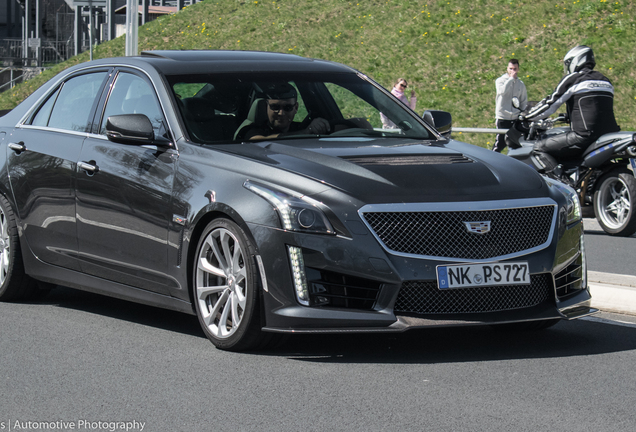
{"x": 132, "y": 27}
{"x": 90, "y": 27}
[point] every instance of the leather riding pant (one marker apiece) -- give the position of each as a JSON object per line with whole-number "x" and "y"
{"x": 550, "y": 149}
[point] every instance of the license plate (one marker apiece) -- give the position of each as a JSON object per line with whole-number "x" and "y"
{"x": 475, "y": 275}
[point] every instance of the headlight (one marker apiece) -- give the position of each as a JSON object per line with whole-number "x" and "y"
{"x": 295, "y": 213}
{"x": 572, "y": 199}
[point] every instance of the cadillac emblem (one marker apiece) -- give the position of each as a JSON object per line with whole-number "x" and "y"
{"x": 482, "y": 227}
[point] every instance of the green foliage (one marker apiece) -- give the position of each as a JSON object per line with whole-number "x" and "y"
{"x": 450, "y": 51}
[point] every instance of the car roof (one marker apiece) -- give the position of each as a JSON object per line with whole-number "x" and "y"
{"x": 224, "y": 61}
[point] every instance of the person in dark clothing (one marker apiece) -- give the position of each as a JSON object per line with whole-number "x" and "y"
{"x": 282, "y": 106}
{"x": 589, "y": 99}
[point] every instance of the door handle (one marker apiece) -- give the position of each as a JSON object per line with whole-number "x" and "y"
{"x": 89, "y": 167}
{"x": 17, "y": 147}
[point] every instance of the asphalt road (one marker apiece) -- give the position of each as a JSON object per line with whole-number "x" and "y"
{"x": 606, "y": 253}
{"x": 81, "y": 357}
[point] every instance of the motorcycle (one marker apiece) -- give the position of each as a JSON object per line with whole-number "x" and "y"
{"x": 601, "y": 176}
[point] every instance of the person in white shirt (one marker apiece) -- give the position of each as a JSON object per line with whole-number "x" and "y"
{"x": 508, "y": 86}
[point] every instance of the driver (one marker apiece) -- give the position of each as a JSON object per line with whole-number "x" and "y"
{"x": 589, "y": 98}
{"x": 282, "y": 106}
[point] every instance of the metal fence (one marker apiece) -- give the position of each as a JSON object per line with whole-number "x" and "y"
{"x": 12, "y": 52}
{"x": 10, "y": 76}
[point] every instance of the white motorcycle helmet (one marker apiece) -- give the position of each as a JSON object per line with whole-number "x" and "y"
{"x": 578, "y": 57}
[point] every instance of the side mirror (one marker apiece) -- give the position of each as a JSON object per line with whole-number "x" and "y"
{"x": 515, "y": 102}
{"x": 134, "y": 129}
{"x": 440, "y": 120}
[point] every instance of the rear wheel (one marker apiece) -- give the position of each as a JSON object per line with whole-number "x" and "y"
{"x": 15, "y": 284}
{"x": 613, "y": 200}
{"x": 226, "y": 287}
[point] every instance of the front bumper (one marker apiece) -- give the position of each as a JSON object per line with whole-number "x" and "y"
{"x": 361, "y": 260}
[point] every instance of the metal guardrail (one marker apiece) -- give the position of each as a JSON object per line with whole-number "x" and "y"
{"x": 479, "y": 130}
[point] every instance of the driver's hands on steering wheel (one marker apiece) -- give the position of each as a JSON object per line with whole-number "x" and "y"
{"x": 318, "y": 126}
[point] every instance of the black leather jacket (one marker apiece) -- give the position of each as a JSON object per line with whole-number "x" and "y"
{"x": 589, "y": 98}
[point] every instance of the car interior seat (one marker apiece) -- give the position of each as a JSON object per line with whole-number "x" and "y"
{"x": 205, "y": 122}
{"x": 256, "y": 116}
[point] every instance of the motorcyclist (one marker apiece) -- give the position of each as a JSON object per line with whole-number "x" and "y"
{"x": 589, "y": 98}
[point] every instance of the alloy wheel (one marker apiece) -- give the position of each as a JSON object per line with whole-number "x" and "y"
{"x": 5, "y": 248}
{"x": 221, "y": 283}
{"x": 614, "y": 200}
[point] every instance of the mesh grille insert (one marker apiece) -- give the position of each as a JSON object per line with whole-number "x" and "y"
{"x": 423, "y": 297}
{"x": 444, "y": 233}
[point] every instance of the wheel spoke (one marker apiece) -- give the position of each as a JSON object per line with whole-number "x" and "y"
{"x": 222, "y": 301}
{"x": 240, "y": 297}
{"x": 240, "y": 275}
{"x": 227, "y": 253}
{"x": 3, "y": 227}
{"x": 217, "y": 253}
{"x": 204, "y": 291}
{"x": 236, "y": 315}
{"x": 206, "y": 266}
{"x": 4, "y": 264}
{"x": 236, "y": 258}
{"x": 222, "y": 325}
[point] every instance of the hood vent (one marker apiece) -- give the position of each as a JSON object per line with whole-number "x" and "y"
{"x": 408, "y": 160}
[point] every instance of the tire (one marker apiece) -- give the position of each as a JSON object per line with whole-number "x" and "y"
{"x": 613, "y": 199}
{"x": 225, "y": 291}
{"x": 15, "y": 284}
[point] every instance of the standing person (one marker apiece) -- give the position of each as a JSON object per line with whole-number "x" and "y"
{"x": 508, "y": 86}
{"x": 399, "y": 91}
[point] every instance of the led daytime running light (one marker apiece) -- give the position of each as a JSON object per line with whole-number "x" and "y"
{"x": 583, "y": 263}
{"x": 298, "y": 273}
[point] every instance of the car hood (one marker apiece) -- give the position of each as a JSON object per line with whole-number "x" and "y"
{"x": 398, "y": 170}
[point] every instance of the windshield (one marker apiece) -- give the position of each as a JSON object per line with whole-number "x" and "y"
{"x": 222, "y": 108}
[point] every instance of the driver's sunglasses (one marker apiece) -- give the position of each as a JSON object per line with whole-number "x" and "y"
{"x": 278, "y": 107}
{"x": 403, "y": 85}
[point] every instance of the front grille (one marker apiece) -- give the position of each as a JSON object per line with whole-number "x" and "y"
{"x": 444, "y": 233}
{"x": 423, "y": 297}
{"x": 338, "y": 290}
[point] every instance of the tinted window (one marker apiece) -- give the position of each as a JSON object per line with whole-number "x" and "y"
{"x": 228, "y": 107}
{"x": 44, "y": 113}
{"x": 132, "y": 94}
{"x": 72, "y": 108}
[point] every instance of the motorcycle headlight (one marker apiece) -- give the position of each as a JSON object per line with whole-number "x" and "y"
{"x": 573, "y": 204}
{"x": 296, "y": 213}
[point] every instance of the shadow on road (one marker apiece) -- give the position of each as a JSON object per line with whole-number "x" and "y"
{"x": 434, "y": 345}
{"x": 124, "y": 310}
{"x": 468, "y": 344}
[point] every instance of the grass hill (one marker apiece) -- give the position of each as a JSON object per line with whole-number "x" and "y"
{"x": 450, "y": 51}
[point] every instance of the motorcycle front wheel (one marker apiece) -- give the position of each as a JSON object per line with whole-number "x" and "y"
{"x": 613, "y": 199}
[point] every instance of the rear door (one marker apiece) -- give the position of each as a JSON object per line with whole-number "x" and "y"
{"x": 41, "y": 157}
{"x": 124, "y": 194}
